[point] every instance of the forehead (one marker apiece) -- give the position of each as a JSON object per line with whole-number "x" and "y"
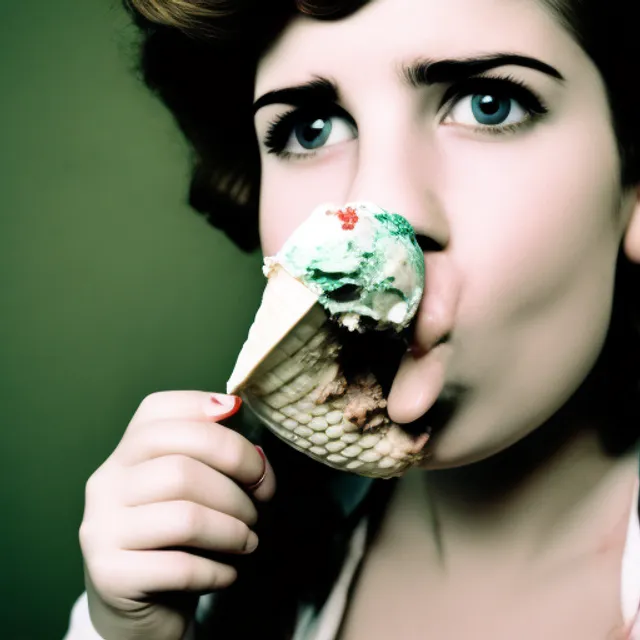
{"x": 388, "y": 34}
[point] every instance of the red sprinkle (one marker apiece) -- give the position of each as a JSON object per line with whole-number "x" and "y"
{"x": 349, "y": 218}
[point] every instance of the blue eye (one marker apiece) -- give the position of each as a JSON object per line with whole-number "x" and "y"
{"x": 311, "y": 135}
{"x": 490, "y": 110}
{"x": 487, "y": 111}
{"x": 493, "y": 104}
{"x": 302, "y": 131}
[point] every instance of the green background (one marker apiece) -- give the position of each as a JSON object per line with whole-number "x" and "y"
{"x": 111, "y": 286}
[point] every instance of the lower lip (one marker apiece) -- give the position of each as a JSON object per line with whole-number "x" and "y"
{"x": 417, "y": 386}
{"x": 426, "y": 429}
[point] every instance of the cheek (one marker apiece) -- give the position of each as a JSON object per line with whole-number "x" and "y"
{"x": 290, "y": 190}
{"x": 536, "y": 219}
{"x": 536, "y": 233}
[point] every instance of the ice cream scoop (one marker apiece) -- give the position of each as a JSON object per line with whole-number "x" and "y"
{"x": 320, "y": 354}
{"x": 363, "y": 263}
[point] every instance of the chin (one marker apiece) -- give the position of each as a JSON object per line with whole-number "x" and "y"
{"x": 443, "y": 457}
{"x": 460, "y": 445}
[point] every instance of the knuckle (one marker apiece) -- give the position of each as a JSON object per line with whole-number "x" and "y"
{"x": 150, "y": 407}
{"x": 178, "y": 475}
{"x": 230, "y": 448}
{"x": 87, "y": 537}
{"x": 97, "y": 494}
{"x": 196, "y": 574}
{"x": 103, "y": 487}
{"x": 185, "y": 573}
{"x": 153, "y": 398}
{"x": 93, "y": 487}
{"x": 96, "y": 535}
{"x": 106, "y": 574}
{"x": 188, "y": 521}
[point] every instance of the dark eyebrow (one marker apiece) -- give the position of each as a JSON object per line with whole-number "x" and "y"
{"x": 319, "y": 90}
{"x": 421, "y": 73}
{"x": 428, "y": 72}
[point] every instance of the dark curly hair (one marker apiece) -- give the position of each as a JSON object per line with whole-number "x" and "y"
{"x": 200, "y": 57}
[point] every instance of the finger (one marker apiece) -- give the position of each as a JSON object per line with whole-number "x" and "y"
{"x": 136, "y": 574}
{"x": 177, "y": 477}
{"x": 185, "y": 405}
{"x": 216, "y": 446}
{"x": 264, "y": 489}
{"x": 183, "y": 524}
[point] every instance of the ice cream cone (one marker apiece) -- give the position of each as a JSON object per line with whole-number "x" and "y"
{"x": 291, "y": 375}
{"x": 285, "y": 302}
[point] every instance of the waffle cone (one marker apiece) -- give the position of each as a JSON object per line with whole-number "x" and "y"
{"x": 289, "y": 374}
{"x": 285, "y": 302}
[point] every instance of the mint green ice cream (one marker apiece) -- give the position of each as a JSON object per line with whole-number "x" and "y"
{"x": 361, "y": 262}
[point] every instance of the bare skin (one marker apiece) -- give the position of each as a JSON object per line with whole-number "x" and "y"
{"x": 177, "y": 487}
{"x": 525, "y": 225}
{"x": 465, "y": 560}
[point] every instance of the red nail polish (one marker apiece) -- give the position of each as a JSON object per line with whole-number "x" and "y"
{"x": 219, "y": 406}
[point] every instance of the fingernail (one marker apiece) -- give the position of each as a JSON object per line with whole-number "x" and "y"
{"x": 252, "y": 542}
{"x": 220, "y": 406}
{"x": 260, "y": 450}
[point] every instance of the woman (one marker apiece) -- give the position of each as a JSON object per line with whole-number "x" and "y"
{"x": 504, "y": 131}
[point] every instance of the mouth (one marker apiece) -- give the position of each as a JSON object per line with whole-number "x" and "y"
{"x": 384, "y": 355}
{"x": 420, "y": 350}
{"x": 435, "y": 419}
{"x": 420, "y": 379}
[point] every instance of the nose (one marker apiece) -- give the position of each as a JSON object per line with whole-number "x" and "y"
{"x": 401, "y": 176}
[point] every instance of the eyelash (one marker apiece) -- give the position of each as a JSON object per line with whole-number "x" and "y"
{"x": 281, "y": 129}
{"x": 505, "y": 86}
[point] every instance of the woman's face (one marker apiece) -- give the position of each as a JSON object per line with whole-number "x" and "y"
{"x": 504, "y": 159}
